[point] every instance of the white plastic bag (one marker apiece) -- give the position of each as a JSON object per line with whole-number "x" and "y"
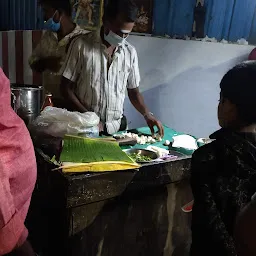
{"x": 57, "y": 122}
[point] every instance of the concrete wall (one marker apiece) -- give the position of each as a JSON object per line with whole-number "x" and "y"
{"x": 180, "y": 81}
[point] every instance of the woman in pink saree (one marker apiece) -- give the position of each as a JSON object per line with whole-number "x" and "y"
{"x": 17, "y": 176}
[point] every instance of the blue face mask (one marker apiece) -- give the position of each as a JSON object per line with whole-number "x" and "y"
{"x": 51, "y": 25}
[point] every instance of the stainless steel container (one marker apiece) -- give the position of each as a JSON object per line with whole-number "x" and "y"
{"x": 27, "y": 101}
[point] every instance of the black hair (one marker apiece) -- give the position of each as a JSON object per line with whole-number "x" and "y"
{"x": 63, "y": 6}
{"x": 239, "y": 86}
{"x": 127, "y": 8}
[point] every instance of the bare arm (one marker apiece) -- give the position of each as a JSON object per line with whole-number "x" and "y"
{"x": 67, "y": 91}
{"x": 71, "y": 72}
{"x": 138, "y": 102}
{"x": 136, "y": 98}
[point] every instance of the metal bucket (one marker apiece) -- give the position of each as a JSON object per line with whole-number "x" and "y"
{"x": 27, "y": 101}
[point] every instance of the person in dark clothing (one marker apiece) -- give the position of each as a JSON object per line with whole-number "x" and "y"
{"x": 223, "y": 173}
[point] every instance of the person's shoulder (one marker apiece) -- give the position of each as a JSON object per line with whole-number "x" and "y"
{"x": 84, "y": 39}
{"x": 81, "y": 41}
{"x": 130, "y": 47}
{"x": 46, "y": 35}
{"x": 206, "y": 153}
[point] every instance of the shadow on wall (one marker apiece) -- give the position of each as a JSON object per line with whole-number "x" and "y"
{"x": 187, "y": 102}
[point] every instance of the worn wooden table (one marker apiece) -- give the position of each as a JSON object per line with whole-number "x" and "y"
{"x": 112, "y": 214}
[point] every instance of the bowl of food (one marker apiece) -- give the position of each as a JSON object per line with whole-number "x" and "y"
{"x": 141, "y": 155}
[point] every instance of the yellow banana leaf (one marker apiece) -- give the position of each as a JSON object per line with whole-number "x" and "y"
{"x": 107, "y": 166}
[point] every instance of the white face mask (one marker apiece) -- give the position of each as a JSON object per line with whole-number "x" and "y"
{"x": 114, "y": 39}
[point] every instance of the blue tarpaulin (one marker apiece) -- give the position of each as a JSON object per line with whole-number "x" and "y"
{"x": 225, "y": 19}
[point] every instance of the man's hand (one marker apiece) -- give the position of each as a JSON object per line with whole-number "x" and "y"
{"x": 138, "y": 102}
{"x": 50, "y": 63}
{"x": 152, "y": 121}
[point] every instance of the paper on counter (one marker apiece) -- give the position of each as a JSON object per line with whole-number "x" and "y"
{"x": 184, "y": 141}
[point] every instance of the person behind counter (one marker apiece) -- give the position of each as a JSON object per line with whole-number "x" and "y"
{"x": 49, "y": 54}
{"x": 223, "y": 173}
{"x": 17, "y": 176}
{"x": 100, "y": 66}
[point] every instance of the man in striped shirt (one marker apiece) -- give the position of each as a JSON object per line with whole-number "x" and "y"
{"x": 101, "y": 65}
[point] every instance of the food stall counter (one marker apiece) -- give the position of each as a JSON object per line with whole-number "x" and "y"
{"x": 133, "y": 212}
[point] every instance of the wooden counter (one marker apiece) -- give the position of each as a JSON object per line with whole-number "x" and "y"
{"x": 112, "y": 214}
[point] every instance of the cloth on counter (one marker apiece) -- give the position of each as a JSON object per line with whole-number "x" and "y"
{"x": 223, "y": 181}
{"x": 17, "y": 172}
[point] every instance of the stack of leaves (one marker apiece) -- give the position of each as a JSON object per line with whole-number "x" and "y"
{"x": 81, "y": 154}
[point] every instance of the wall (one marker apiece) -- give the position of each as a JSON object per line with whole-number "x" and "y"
{"x": 180, "y": 81}
{"x": 15, "y": 49}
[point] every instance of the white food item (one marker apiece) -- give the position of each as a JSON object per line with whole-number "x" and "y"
{"x": 159, "y": 151}
{"x": 129, "y": 135}
{"x": 242, "y": 41}
{"x": 167, "y": 143}
{"x": 142, "y": 140}
{"x": 184, "y": 141}
{"x": 158, "y": 137}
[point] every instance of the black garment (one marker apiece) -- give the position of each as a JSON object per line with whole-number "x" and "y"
{"x": 223, "y": 180}
{"x": 123, "y": 127}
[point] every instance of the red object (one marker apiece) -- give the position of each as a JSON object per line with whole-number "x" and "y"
{"x": 252, "y": 55}
{"x": 47, "y": 101}
{"x": 188, "y": 207}
{"x": 17, "y": 172}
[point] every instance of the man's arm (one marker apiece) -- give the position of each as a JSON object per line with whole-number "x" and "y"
{"x": 39, "y": 61}
{"x": 71, "y": 71}
{"x": 137, "y": 99}
{"x": 67, "y": 91}
{"x": 138, "y": 102}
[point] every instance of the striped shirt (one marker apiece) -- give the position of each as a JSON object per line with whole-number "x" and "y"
{"x": 101, "y": 87}
{"x": 50, "y": 46}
